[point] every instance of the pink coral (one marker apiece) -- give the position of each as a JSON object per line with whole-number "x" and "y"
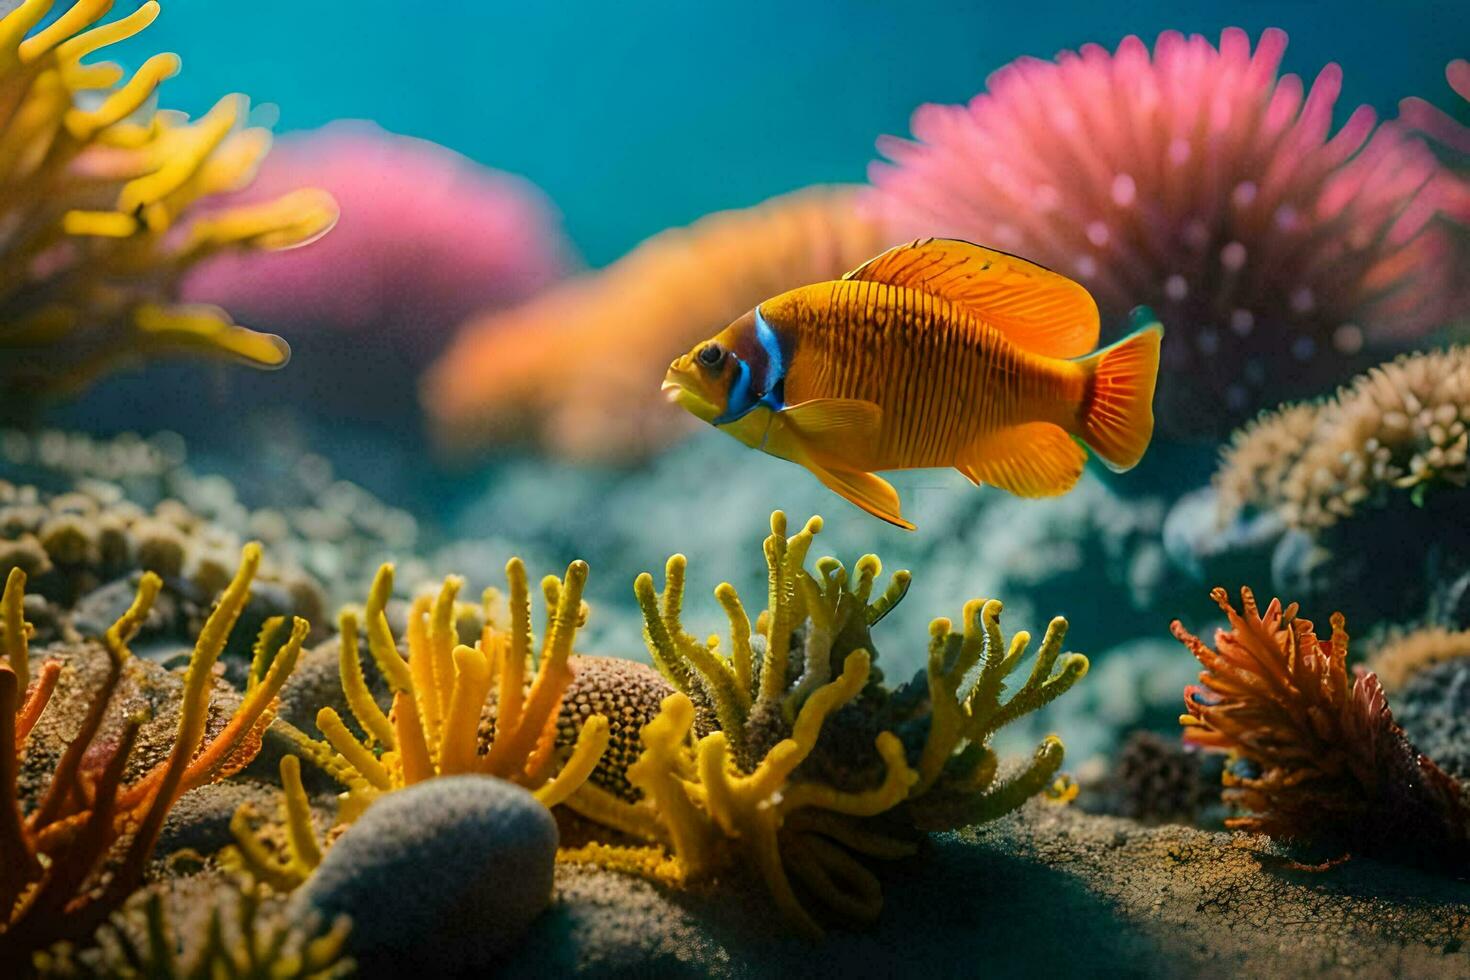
{"x": 426, "y": 238}
{"x": 1200, "y": 182}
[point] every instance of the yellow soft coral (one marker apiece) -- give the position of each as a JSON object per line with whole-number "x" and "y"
{"x": 747, "y": 786}
{"x": 439, "y": 695}
{"x": 96, "y": 195}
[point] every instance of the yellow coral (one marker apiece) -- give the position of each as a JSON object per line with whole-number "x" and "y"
{"x": 741, "y": 788}
{"x": 235, "y": 940}
{"x": 97, "y": 198}
{"x": 439, "y": 695}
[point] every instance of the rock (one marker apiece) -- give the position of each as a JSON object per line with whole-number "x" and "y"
{"x": 1045, "y": 891}
{"x": 441, "y": 878}
{"x": 1434, "y": 709}
{"x": 1208, "y": 552}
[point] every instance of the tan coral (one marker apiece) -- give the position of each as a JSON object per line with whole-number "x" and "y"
{"x": 1399, "y": 659}
{"x": 1401, "y": 427}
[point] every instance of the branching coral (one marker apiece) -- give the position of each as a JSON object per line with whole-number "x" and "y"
{"x": 1329, "y": 762}
{"x": 789, "y": 753}
{"x": 577, "y": 369}
{"x": 1195, "y": 180}
{"x": 96, "y": 194}
{"x": 238, "y": 939}
{"x": 81, "y": 849}
{"x": 439, "y": 696}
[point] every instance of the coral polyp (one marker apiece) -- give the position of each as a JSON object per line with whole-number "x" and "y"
{"x": 790, "y": 756}
{"x": 1398, "y": 430}
{"x": 97, "y": 195}
{"x": 1196, "y": 180}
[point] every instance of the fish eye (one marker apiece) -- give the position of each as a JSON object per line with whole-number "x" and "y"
{"x": 711, "y": 355}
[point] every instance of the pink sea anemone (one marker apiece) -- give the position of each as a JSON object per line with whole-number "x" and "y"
{"x": 1200, "y": 182}
{"x": 425, "y": 239}
{"x": 1448, "y": 135}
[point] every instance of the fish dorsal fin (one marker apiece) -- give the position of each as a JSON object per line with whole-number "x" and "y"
{"x": 1037, "y": 309}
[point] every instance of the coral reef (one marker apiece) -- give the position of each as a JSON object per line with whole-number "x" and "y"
{"x": 99, "y": 205}
{"x": 1402, "y": 658}
{"x": 467, "y": 861}
{"x": 440, "y": 694}
{"x": 1196, "y": 180}
{"x": 1337, "y": 490}
{"x": 81, "y": 847}
{"x": 1329, "y": 763}
{"x": 82, "y": 549}
{"x": 1427, "y": 672}
{"x": 1450, "y": 137}
{"x": 427, "y": 238}
{"x": 312, "y": 522}
{"x": 238, "y": 937}
{"x": 1434, "y": 709}
{"x": 577, "y": 370}
{"x": 784, "y": 751}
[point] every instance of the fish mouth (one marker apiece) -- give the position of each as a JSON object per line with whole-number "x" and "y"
{"x": 679, "y": 393}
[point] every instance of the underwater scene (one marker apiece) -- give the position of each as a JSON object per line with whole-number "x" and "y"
{"x": 674, "y": 490}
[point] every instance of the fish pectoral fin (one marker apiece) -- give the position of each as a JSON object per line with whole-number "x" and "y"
{"x": 867, "y": 490}
{"x": 1037, "y": 309}
{"x": 841, "y": 428}
{"x": 1037, "y": 459}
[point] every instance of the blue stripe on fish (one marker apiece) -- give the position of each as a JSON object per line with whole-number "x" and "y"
{"x": 744, "y": 399}
{"x": 771, "y": 389}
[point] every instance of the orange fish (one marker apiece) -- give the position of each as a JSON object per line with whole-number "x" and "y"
{"x": 936, "y": 353}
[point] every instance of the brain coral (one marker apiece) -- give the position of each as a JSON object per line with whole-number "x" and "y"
{"x": 578, "y": 370}
{"x": 442, "y": 877}
{"x": 1196, "y": 180}
{"x": 97, "y": 198}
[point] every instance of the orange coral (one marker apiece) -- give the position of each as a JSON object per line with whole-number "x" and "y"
{"x": 579, "y": 368}
{"x": 1330, "y": 762}
{"x": 82, "y": 848}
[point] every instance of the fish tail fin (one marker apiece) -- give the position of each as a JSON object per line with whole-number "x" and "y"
{"x": 1117, "y": 417}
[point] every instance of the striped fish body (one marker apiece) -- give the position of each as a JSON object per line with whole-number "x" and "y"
{"x": 943, "y": 377}
{"x": 937, "y": 353}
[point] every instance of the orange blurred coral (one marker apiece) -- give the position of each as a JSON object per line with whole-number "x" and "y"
{"x": 1331, "y": 764}
{"x": 578, "y": 369}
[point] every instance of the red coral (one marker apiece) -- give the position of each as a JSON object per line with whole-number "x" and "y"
{"x": 1331, "y": 763}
